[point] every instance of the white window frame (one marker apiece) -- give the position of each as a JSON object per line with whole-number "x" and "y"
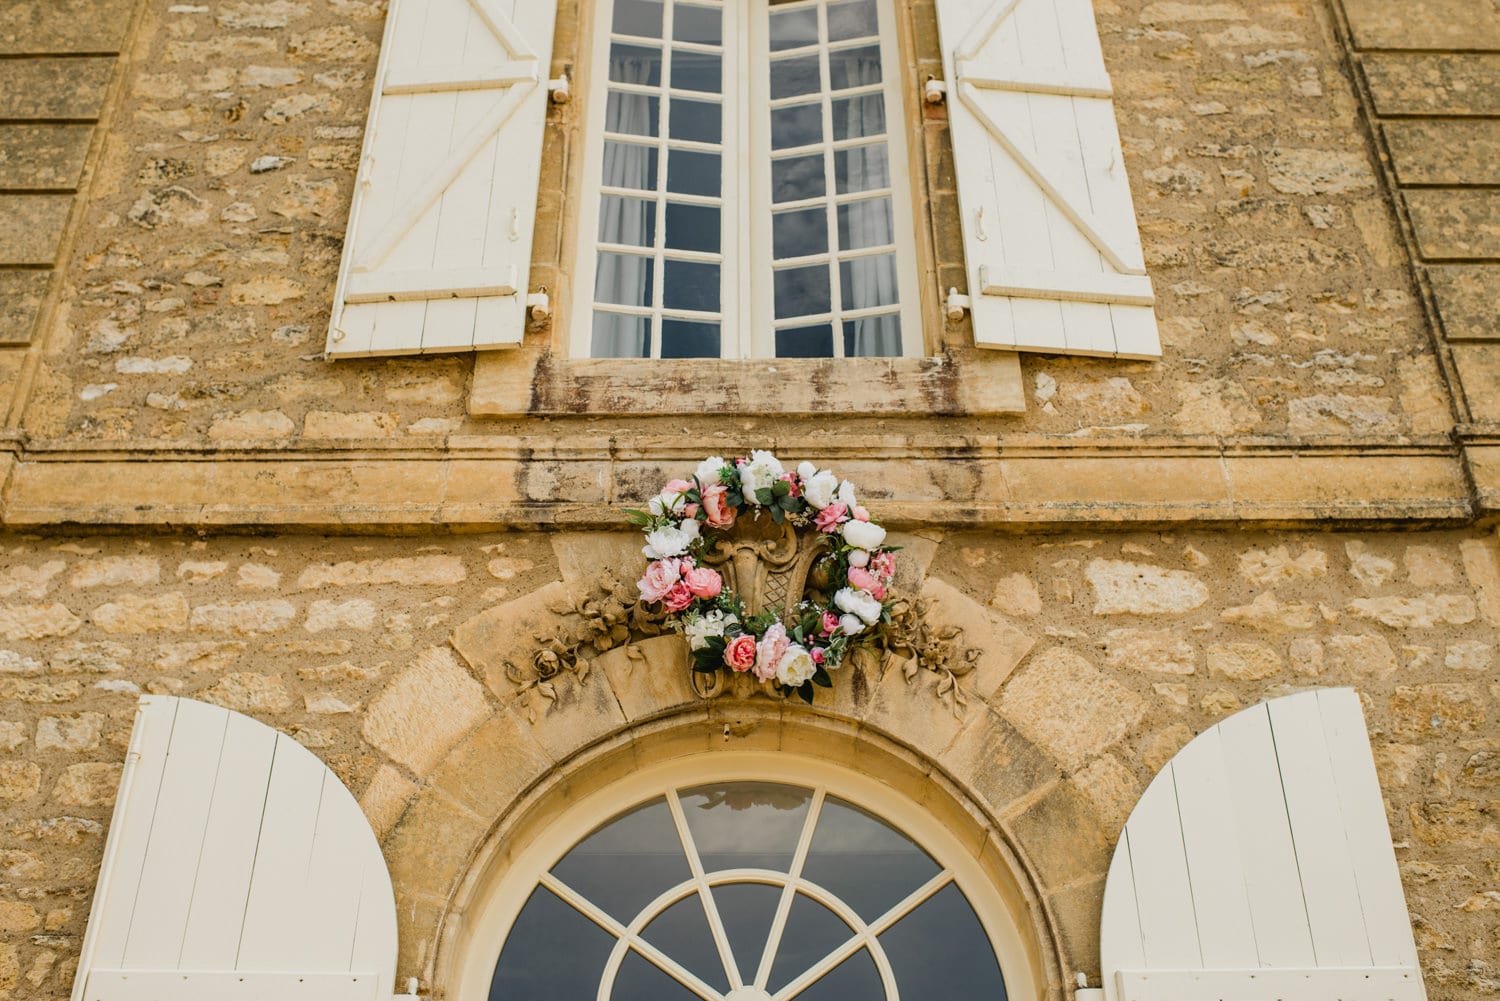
{"x": 747, "y": 324}
{"x": 489, "y": 921}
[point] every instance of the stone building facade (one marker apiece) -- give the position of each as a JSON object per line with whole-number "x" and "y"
{"x": 1300, "y": 492}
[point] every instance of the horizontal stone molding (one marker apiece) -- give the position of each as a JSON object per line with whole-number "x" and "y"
{"x": 915, "y": 481}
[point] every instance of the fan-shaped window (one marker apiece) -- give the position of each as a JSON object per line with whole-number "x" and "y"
{"x": 747, "y": 891}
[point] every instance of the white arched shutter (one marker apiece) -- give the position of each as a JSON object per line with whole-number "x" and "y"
{"x": 1053, "y": 254}
{"x": 1258, "y": 866}
{"x": 439, "y": 243}
{"x": 237, "y": 867}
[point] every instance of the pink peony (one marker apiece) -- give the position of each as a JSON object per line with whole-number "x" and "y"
{"x": 884, "y": 564}
{"x": 703, "y": 582}
{"x": 677, "y": 487}
{"x": 829, "y": 519}
{"x": 860, "y": 514}
{"x": 716, "y": 508}
{"x": 830, "y": 623}
{"x": 690, "y": 511}
{"x": 659, "y": 578}
{"x": 794, "y": 488}
{"x": 769, "y": 651}
{"x": 861, "y": 578}
{"x": 678, "y": 598}
{"x": 739, "y": 653}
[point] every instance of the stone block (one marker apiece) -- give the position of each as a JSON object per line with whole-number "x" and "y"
{"x": 19, "y": 780}
{"x": 1243, "y": 661}
{"x": 64, "y": 26}
{"x": 115, "y": 571}
{"x": 1001, "y": 766}
{"x": 248, "y": 692}
{"x": 1423, "y": 24}
{"x": 35, "y": 622}
{"x": 425, "y": 710}
{"x": 1420, "y": 612}
{"x": 431, "y": 844}
{"x": 91, "y": 784}
{"x": 53, "y": 89}
{"x": 409, "y": 571}
{"x": 651, "y": 676}
{"x": 913, "y": 712}
{"x": 31, "y": 227}
{"x": 21, "y": 295}
{"x": 584, "y": 557}
{"x": 1359, "y": 656}
{"x": 493, "y": 765}
{"x": 1156, "y": 651}
{"x": 582, "y": 713}
{"x": 42, "y": 157}
{"x": 1479, "y": 375}
{"x": 1425, "y": 710}
{"x": 1457, "y": 224}
{"x": 1433, "y": 84}
{"x": 1068, "y": 708}
{"x": 385, "y": 799}
{"x": 1122, "y": 588}
{"x": 1465, "y": 296}
{"x": 510, "y": 634}
{"x": 1269, "y": 614}
{"x": 1001, "y": 646}
{"x": 1059, "y": 861}
{"x": 1450, "y": 152}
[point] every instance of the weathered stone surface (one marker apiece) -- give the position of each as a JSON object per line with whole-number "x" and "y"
{"x": 354, "y": 614}
{"x": 1067, "y": 707}
{"x": 1450, "y": 152}
{"x": 1461, "y": 224}
{"x": 248, "y": 618}
{"x": 251, "y": 425}
{"x": 1156, "y": 651}
{"x": 29, "y": 582}
{"x": 1341, "y": 414}
{"x": 1360, "y": 656}
{"x": 53, "y": 88}
{"x": 1434, "y": 24}
{"x": 425, "y": 571}
{"x": 425, "y": 710}
{"x": 79, "y": 732}
{"x": 386, "y": 798}
{"x": 21, "y": 295}
{"x": 64, "y": 26}
{"x": 1422, "y": 612}
{"x": 1465, "y": 294}
{"x": 248, "y": 692}
{"x": 490, "y": 767}
{"x": 1429, "y": 566}
{"x": 331, "y": 424}
{"x": 42, "y": 157}
{"x": 1005, "y": 766}
{"x": 1112, "y": 788}
{"x": 1434, "y": 84}
{"x": 1001, "y": 646}
{"x": 31, "y": 226}
{"x": 92, "y": 784}
{"x": 1318, "y": 172}
{"x": 1243, "y": 661}
{"x": 1370, "y": 569}
{"x": 134, "y": 613}
{"x": 35, "y": 622}
{"x": 90, "y": 658}
{"x": 1422, "y": 710}
{"x": 508, "y": 634}
{"x": 649, "y": 677}
{"x": 1016, "y": 595}
{"x": 1138, "y": 589}
{"x": 19, "y": 780}
{"x": 116, "y": 571}
{"x": 1269, "y": 614}
{"x": 1263, "y": 567}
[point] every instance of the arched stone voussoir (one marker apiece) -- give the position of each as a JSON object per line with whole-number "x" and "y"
{"x": 507, "y": 635}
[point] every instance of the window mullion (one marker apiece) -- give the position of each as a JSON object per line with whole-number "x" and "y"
{"x": 751, "y": 252}
{"x": 830, "y": 180}
{"x": 663, "y": 132}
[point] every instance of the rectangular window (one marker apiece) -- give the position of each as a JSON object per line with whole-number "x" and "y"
{"x": 745, "y": 195}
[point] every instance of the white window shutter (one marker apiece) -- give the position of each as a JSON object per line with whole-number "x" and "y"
{"x": 1053, "y": 253}
{"x": 438, "y": 249}
{"x": 237, "y": 867}
{"x": 1258, "y": 865}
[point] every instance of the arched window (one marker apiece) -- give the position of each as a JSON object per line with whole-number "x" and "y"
{"x": 745, "y": 888}
{"x": 747, "y": 188}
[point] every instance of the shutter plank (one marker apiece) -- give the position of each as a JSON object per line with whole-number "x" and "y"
{"x": 1163, "y": 893}
{"x": 1120, "y": 945}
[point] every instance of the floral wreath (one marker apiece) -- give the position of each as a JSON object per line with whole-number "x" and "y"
{"x": 678, "y": 523}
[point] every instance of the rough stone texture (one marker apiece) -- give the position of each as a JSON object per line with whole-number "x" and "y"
{"x": 1067, "y": 707}
{"x": 1136, "y": 589}
{"x": 425, "y": 710}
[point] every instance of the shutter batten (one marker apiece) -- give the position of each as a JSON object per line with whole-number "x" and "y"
{"x": 1052, "y": 248}
{"x": 440, "y": 232}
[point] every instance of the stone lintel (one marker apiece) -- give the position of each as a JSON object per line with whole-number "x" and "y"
{"x": 587, "y": 489}
{"x": 1421, "y": 83}
{"x": 1449, "y": 25}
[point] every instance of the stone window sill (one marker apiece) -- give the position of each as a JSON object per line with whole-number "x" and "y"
{"x": 532, "y": 382}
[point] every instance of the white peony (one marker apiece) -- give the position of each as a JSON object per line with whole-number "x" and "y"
{"x": 759, "y": 473}
{"x": 819, "y": 488}
{"x": 701, "y": 628}
{"x": 708, "y": 470}
{"x": 667, "y": 502}
{"x": 796, "y": 667}
{"x": 851, "y": 625}
{"x": 859, "y": 558}
{"x": 863, "y": 534}
{"x": 846, "y": 495}
{"x": 861, "y": 603}
{"x": 670, "y": 540}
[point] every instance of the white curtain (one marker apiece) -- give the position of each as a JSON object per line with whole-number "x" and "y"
{"x": 869, "y": 281}
{"x": 626, "y": 278}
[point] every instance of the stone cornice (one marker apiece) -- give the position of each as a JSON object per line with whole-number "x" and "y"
{"x": 978, "y": 481}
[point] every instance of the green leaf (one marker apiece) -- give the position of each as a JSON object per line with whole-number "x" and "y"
{"x": 806, "y": 691}
{"x": 822, "y": 679}
{"x": 734, "y": 499}
{"x": 765, "y": 496}
{"x": 778, "y": 515}
{"x": 637, "y": 517}
{"x": 781, "y": 488}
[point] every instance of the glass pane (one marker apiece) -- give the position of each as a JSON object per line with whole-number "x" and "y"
{"x": 552, "y": 952}
{"x": 691, "y": 173}
{"x": 805, "y": 342}
{"x": 862, "y": 168}
{"x": 855, "y": 977}
{"x": 869, "y": 864}
{"x": 697, "y": 24}
{"x": 638, "y": 17}
{"x": 638, "y": 980}
{"x": 854, "y": 19}
{"x": 693, "y": 227}
{"x": 623, "y": 279}
{"x": 792, "y": 28}
{"x": 627, "y": 220}
{"x": 799, "y": 233}
{"x": 799, "y": 125}
{"x": 747, "y": 910}
{"x": 619, "y": 336}
{"x": 681, "y": 931}
{"x": 803, "y": 291}
{"x": 848, "y": 68}
{"x": 873, "y": 337}
{"x": 701, "y": 71}
{"x": 689, "y": 339}
{"x": 696, "y": 121}
{"x": 635, "y": 64}
{"x": 812, "y": 932}
{"x": 866, "y": 224}
{"x": 797, "y": 177}
{"x": 632, "y": 114}
{"x": 745, "y": 825}
{"x": 857, "y": 117}
{"x": 690, "y": 285}
{"x": 869, "y": 281}
{"x": 628, "y": 862}
{"x": 627, "y": 165}
{"x": 940, "y": 952}
{"x": 797, "y": 75}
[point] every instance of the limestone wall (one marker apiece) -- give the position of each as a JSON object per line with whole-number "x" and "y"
{"x": 1102, "y": 656}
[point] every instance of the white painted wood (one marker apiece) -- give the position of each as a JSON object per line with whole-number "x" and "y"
{"x": 440, "y": 231}
{"x": 235, "y": 851}
{"x": 1041, "y": 181}
{"x": 1294, "y": 890}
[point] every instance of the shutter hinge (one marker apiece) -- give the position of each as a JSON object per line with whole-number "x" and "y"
{"x": 560, "y": 89}
{"x": 957, "y": 305}
{"x": 934, "y": 91}
{"x": 539, "y": 305}
{"x": 411, "y": 991}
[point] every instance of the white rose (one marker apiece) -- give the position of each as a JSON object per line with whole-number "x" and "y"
{"x": 861, "y": 603}
{"x": 708, "y": 470}
{"x": 846, "y": 495}
{"x": 819, "y": 489}
{"x": 670, "y": 540}
{"x": 796, "y": 667}
{"x": 863, "y": 534}
{"x": 759, "y": 473}
{"x": 859, "y": 558}
{"x": 851, "y": 625}
{"x": 806, "y": 470}
{"x": 702, "y": 628}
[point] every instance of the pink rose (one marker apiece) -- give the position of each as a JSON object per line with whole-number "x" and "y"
{"x": 739, "y": 653}
{"x": 769, "y": 651}
{"x": 703, "y": 582}
{"x": 817, "y": 655}
{"x": 678, "y": 598}
{"x": 884, "y": 564}
{"x": 659, "y": 578}
{"x": 830, "y": 623}
{"x": 719, "y": 513}
{"x": 691, "y": 511}
{"x": 861, "y": 578}
{"x": 860, "y": 514}
{"x": 829, "y": 519}
{"x": 794, "y": 489}
{"x": 677, "y": 487}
